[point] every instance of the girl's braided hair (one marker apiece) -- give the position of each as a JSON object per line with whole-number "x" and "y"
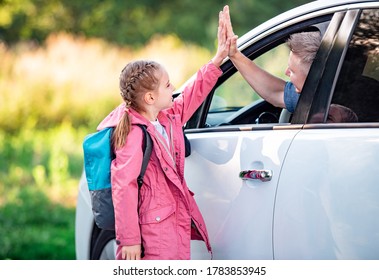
{"x": 137, "y": 78}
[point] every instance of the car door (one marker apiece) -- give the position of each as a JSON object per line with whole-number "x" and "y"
{"x": 235, "y": 131}
{"x": 327, "y": 201}
{"x": 238, "y": 213}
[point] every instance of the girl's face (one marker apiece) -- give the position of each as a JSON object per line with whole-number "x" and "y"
{"x": 296, "y": 72}
{"x": 164, "y": 92}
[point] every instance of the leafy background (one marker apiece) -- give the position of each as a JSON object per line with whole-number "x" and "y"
{"x": 60, "y": 61}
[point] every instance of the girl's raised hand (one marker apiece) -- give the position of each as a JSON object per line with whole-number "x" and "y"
{"x": 223, "y": 40}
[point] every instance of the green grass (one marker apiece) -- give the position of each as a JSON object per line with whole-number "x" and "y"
{"x": 39, "y": 177}
{"x": 34, "y": 228}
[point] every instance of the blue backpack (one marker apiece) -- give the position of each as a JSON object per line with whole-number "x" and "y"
{"x": 98, "y": 155}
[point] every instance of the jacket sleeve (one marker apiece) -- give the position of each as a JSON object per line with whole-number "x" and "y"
{"x": 125, "y": 169}
{"x": 196, "y": 91}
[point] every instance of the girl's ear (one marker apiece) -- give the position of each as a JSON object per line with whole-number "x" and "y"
{"x": 149, "y": 98}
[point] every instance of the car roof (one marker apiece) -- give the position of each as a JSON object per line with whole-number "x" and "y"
{"x": 300, "y": 12}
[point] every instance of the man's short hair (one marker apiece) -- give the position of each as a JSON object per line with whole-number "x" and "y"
{"x": 305, "y": 45}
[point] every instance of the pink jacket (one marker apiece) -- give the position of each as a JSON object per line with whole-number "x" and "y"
{"x": 168, "y": 216}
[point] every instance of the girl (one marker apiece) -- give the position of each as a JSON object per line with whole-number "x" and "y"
{"x": 163, "y": 217}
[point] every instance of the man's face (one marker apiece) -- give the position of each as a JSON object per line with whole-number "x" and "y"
{"x": 297, "y": 71}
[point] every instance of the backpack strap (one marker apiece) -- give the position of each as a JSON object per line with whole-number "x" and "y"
{"x": 147, "y": 147}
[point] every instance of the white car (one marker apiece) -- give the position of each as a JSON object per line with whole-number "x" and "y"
{"x": 318, "y": 197}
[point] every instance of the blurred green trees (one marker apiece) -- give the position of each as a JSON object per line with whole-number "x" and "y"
{"x": 131, "y": 22}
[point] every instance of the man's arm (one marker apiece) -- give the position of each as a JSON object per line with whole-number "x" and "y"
{"x": 269, "y": 87}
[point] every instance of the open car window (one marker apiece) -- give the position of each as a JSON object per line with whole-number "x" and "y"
{"x": 235, "y": 96}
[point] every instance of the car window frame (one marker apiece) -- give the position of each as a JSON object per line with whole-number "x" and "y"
{"x": 317, "y": 96}
{"x": 323, "y": 75}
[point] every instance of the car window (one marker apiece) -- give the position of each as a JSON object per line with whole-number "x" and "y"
{"x": 236, "y": 94}
{"x": 358, "y": 84}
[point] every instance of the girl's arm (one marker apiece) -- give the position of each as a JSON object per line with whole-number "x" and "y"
{"x": 268, "y": 86}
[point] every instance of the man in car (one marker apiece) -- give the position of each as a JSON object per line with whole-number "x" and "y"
{"x": 303, "y": 47}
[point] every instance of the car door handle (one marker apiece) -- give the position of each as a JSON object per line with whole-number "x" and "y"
{"x": 263, "y": 175}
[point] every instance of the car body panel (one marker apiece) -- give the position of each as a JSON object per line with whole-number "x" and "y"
{"x": 326, "y": 208}
{"x": 83, "y": 221}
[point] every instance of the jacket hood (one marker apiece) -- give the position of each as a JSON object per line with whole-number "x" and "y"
{"x": 115, "y": 116}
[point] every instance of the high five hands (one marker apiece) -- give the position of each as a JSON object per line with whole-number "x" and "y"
{"x": 225, "y": 18}
{"x": 227, "y": 40}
